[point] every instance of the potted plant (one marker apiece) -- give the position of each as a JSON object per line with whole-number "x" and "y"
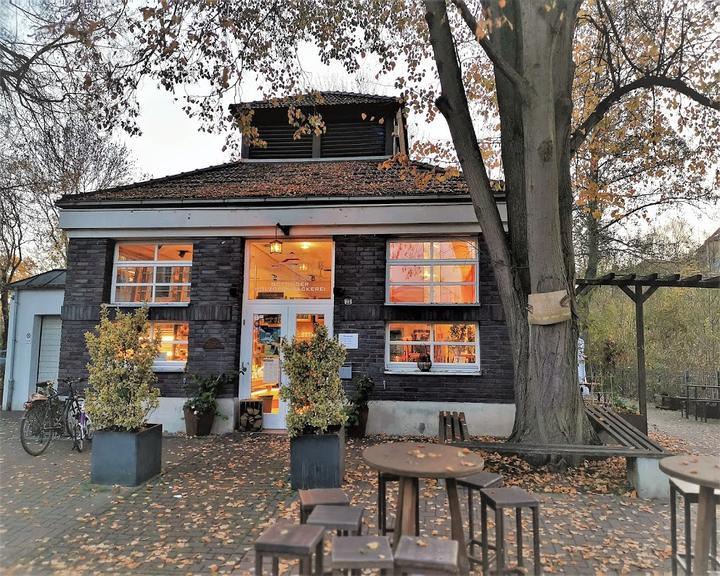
{"x": 201, "y": 407}
{"x": 126, "y": 449}
{"x": 316, "y": 410}
{"x": 358, "y": 410}
{"x": 424, "y": 363}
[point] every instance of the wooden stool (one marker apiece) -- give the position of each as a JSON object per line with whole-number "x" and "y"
{"x": 690, "y": 494}
{"x": 286, "y": 540}
{"x": 383, "y": 479}
{"x": 478, "y": 481}
{"x": 429, "y": 556}
{"x": 345, "y": 520}
{"x": 320, "y": 496}
{"x": 357, "y": 553}
{"x": 500, "y": 499}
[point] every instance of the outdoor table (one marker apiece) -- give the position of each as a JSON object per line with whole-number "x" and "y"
{"x": 705, "y": 472}
{"x": 410, "y": 460}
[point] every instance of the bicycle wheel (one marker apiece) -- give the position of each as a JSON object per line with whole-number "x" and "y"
{"x": 78, "y": 437}
{"x": 36, "y": 429}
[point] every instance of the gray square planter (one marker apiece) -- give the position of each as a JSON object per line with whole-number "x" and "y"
{"x": 317, "y": 460}
{"x": 126, "y": 458}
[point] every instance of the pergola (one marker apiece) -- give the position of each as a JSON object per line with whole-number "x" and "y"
{"x": 639, "y": 289}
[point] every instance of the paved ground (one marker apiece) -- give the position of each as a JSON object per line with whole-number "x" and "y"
{"x": 215, "y": 495}
{"x": 693, "y": 435}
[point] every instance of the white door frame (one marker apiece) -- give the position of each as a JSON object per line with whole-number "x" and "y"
{"x": 288, "y": 309}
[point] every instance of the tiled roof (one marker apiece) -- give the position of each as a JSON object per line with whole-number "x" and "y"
{"x": 247, "y": 180}
{"x": 318, "y": 99}
{"x": 45, "y": 280}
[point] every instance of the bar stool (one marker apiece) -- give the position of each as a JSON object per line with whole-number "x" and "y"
{"x": 345, "y": 520}
{"x": 513, "y": 498}
{"x": 478, "y": 481}
{"x": 427, "y": 556}
{"x": 320, "y": 497}
{"x": 690, "y": 494}
{"x": 383, "y": 479}
{"x": 357, "y": 553}
{"x": 286, "y": 540}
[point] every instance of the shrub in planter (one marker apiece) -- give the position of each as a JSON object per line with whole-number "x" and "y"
{"x": 121, "y": 394}
{"x": 317, "y": 410}
{"x": 201, "y": 407}
{"x": 358, "y": 410}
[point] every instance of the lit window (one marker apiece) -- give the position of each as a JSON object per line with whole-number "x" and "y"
{"x": 157, "y": 274}
{"x": 294, "y": 270}
{"x": 173, "y": 339}
{"x": 449, "y": 346}
{"x": 432, "y": 271}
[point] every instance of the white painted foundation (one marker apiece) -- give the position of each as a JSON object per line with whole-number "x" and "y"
{"x": 400, "y": 418}
{"x": 170, "y": 415}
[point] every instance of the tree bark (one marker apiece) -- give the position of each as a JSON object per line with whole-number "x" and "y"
{"x": 538, "y": 257}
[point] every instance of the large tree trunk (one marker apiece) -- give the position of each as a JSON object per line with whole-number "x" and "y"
{"x": 539, "y": 256}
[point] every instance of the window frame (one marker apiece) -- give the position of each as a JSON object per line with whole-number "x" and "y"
{"x": 154, "y": 264}
{"x": 170, "y": 365}
{"x": 432, "y": 262}
{"x": 437, "y": 367}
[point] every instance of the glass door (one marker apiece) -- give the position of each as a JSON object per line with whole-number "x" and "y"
{"x": 263, "y": 327}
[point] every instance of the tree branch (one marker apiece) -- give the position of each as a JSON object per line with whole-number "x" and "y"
{"x": 498, "y": 61}
{"x": 677, "y": 84}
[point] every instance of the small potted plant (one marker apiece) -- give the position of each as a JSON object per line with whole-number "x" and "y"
{"x": 424, "y": 363}
{"x": 358, "y": 410}
{"x": 121, "y": 394}
{"x": 316, "y": 410}
{"x": 201, "y": 406}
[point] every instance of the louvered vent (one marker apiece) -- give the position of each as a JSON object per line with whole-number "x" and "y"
{"x": 344, "y": 139}
{"x": 280, "y": 143}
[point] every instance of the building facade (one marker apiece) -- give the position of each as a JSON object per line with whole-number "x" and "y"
{"x": 320, "y": 230}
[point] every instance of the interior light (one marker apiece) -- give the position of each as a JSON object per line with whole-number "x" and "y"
{"x": 305, "y": 245}
{"x": 302, "y": 267}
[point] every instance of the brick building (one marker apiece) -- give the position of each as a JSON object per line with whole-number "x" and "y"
{"x": 298, "y": 233}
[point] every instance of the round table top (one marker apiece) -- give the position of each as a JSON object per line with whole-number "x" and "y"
{"x": 701, "y": 470}
{"x": 417, "y": 460}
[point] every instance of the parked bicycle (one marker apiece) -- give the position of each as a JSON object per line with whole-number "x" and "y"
{"x": 48, "y": 416}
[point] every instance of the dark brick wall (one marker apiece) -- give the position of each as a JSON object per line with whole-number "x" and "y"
{"x": 360, "y": 275}
{"x": 216, "y": 294}
{"x": 213, "y": 313}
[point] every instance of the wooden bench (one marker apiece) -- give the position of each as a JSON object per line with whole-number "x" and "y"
{"x": 641, "y": 452}
{"x": 452, "y": 427}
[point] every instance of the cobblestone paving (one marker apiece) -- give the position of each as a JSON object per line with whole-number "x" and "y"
{"x": 216, "y": 495}
{"x": 695, "y": 435}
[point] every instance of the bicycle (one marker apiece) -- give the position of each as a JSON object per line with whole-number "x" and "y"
{"x": 47, "y": 416}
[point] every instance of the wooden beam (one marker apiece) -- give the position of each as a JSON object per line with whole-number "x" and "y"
{"x": 640, "y": 349}
{"x": 627, "y": 291}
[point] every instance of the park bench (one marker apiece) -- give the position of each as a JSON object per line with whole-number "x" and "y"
{"x": 641, "y": 453}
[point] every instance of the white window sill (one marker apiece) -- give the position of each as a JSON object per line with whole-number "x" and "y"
{"x": 179, "y": 367}
{"x": 477, "y": 372}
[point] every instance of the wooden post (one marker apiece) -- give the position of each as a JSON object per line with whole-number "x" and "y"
{"x": 640, "y": 344}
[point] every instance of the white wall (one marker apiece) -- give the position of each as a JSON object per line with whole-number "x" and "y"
{"x": 31, "y": 305}
{"x": 399, "y": 418}
{"x": 170, "y": 415}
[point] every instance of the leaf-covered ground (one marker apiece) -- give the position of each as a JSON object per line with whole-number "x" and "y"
{"x": 216, "y": 495}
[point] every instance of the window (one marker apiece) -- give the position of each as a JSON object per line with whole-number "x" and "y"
{"x": 301, "y": 270}
{"x": 432, "y": 271}
{"x": 451, "y": 346}
{"x": 173, "y": 337}
{"x": 157, "y": 274}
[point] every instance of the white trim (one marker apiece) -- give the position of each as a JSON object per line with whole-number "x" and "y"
{"x": 437, "y": 368}
{"x": 416, "y": 218}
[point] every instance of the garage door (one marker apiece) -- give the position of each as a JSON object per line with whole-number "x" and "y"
{"x": 49, "y": 355}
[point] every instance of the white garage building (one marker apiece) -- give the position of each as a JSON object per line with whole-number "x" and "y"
{"x": 33, "y": 350}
